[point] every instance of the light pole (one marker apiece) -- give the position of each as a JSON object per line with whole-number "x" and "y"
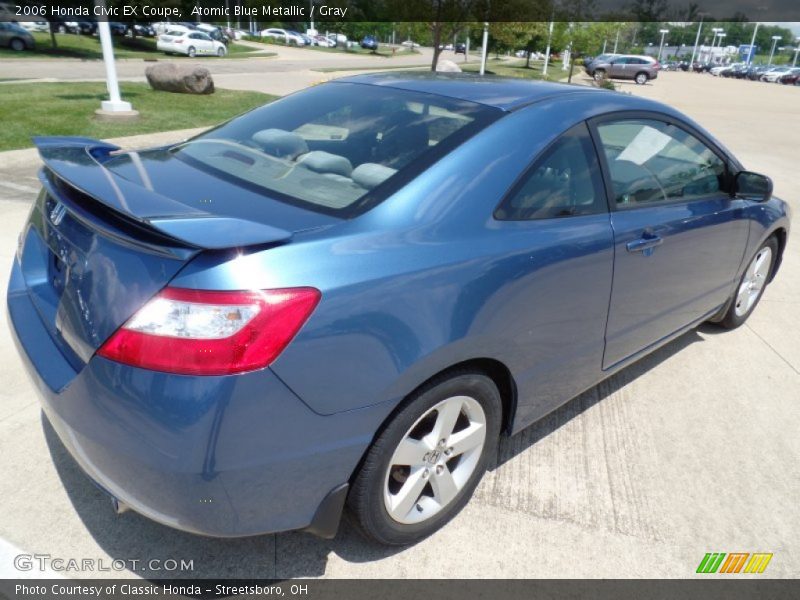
{"x": 547, "y": 50}
{"x": 663, "y": 32}
{"x": 721, "y": 35}
{"x": 752, "y": 45}
{"x": 775, "y": 39}
{"x": 616, "y": 41}
{"x": 697, "y": 39}
{"x": 115, "y": 107}
{"x": 716, "y": 31}
{"x": 485, "y": 48}
{"x": 718, "y": 42}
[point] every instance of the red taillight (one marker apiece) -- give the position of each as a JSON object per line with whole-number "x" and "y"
{"x": 657, "y": 65}
{"x": 197, "y": 332}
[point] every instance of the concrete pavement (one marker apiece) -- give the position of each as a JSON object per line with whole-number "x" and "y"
{"x": 694, "y": 449}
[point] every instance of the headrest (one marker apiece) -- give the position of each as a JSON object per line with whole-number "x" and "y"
{"x": 370, "y": 175}
{"x": 325, "y": 162}
{"x": 280, "y": 143}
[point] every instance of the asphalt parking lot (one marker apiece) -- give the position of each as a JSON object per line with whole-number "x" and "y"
{"x": 694, "y": 449}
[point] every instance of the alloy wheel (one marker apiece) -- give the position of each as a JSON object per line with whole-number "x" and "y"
{"x": 434, "y": 460}
{"x": 753, "y": 282}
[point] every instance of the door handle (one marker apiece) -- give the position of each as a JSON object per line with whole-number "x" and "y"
{"x": 644, "y": 245}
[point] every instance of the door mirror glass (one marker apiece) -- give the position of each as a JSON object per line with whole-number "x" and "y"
{"x": 753, "y": 186}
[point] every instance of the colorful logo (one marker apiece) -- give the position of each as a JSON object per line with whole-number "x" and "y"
{"x": 735, "y": 562}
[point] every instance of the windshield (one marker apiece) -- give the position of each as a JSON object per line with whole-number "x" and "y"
{"x": 335, "y": 148}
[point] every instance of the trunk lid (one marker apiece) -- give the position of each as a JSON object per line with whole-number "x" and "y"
{"x": 109, "y": 230}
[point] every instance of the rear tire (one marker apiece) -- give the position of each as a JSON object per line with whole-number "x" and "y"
{"x": 424, "y": 466}
{"x": 750, "y": 289}
{"x": 17, "y": 45}
{"x": 191, "y": 52}
{"x": 641, "y": 78}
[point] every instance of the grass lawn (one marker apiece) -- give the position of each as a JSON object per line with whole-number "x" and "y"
{"x": 68, "y": 109}
{"x": 507, "y": 68}
{"x": 71, "y": 45}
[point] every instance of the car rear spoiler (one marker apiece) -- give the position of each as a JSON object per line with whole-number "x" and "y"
{"x": 78, "y": 162}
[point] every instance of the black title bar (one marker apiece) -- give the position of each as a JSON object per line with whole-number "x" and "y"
{"x": 408, "y": 10}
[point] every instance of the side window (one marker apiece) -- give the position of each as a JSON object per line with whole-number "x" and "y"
{"x": 651, "y": 161}
{"x": 564, "y": 181}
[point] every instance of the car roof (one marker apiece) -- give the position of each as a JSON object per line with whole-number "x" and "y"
{"x": 505, "y": 93}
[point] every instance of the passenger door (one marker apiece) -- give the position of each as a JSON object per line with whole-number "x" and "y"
{"x": 617, "y": 69}
{"x": 558, "y": 270}
{"x": 678, "y": 234}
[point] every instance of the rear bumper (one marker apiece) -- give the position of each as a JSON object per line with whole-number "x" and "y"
{"x": 219, "y": 456}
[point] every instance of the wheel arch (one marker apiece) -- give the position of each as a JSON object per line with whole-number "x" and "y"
{"x": 781, "y": 235}
{"x": 494, "y": 369}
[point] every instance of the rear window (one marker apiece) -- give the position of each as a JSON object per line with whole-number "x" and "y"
{"x": 338, "y": 148}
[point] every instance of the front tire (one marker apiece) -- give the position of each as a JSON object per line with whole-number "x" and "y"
{"x": 221, "y": 52}
{"x": 641, "y": 78}
{"x": 17, "y": 45}
{"x": 191, "y": 52}
{"x": 751, "y": 285}
{"x": 599, "y": 75}
{"x": 424, "y": 466}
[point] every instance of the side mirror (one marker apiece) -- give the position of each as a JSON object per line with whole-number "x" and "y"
{"x": 752, "y": 186}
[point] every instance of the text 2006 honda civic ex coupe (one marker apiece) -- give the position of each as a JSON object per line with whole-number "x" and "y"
{"x": 343, "y": 299}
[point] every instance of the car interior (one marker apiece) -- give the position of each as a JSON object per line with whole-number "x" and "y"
{"x": 335, "y": 158}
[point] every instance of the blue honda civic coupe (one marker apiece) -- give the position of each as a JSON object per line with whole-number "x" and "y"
{"x": 339, "y": 302}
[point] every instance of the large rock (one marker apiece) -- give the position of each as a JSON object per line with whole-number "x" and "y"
{"x": 182, "y": 79}
{"x": 447, "y": 66}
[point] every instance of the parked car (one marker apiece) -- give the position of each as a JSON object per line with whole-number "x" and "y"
{"x": 755, "y": 71}
{"x": 791, "y": 77}
{"x": 600, "y": 58}
{"x": 144, "y": 30}
{"x": 410, "y": 44}
{"x": 214, "y": 32}
{"x": 288, "y": 37}
{"x": 190, "y": 43}
{"x": 461, "y": 48}
{"x": 772, "y": 75}
{"x": 33, "y": 26}
{"x": 675, "y": 65}
{"x": 162, "y": 28}
{"x": 717, "y": 69}
{"x": 327, "y": 42}
{"x": 15, "y": 37}
{"x": 369, "y": 42}
{"x": 299, "y": 311}
{"x": 641, "y": 69}
{"x": 59, "y": 26}
{"x": 120, "y": 29}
